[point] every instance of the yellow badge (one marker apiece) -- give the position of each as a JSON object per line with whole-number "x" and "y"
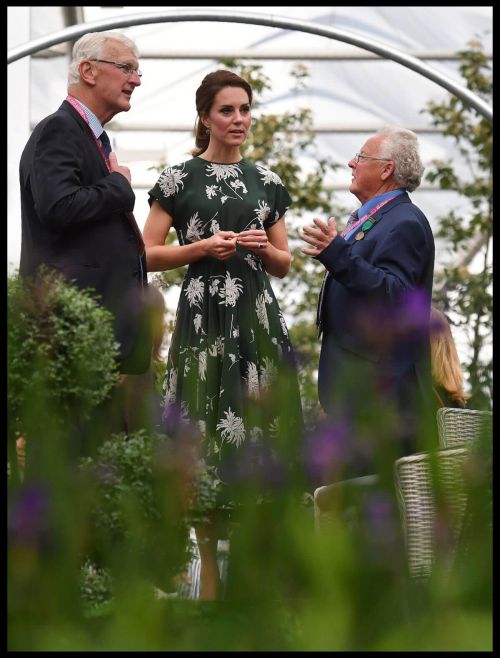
{"x": 359, "y": 236}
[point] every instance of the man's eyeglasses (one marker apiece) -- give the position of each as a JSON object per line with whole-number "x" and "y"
{"x": 360, "y": 156}
{"x": 128, "y": 69}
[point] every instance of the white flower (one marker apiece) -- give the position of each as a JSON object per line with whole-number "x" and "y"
{"x": 185, "y": 411}
{"x": 262, "y": 211}
{"x": 170, "y": 387}
{"x": 283, "y": 324}
{"x": 223, "y": 171}
{"x": 213, "y": 287}
{"x": 214, "y": 226}
{"x": 233, "y": 429}
{"x": 251, "y": 261}
{"x": 237, "y": 184}
{"x": 268, "y": 373}
{"x": 230, "y": 291}
{"x": 269, "y": 176}
{"x": 267, "y": 297}
{"x": 223, "y": 199}
{"x": 217, "y": 348}
{"x": 255, "y": 434}
{"x": 233, "y": 359}
{"x": 195, "y": 228}
{"x": 274, "y": 427}
{"x": 198, "y": 318}
{"x": 211, "y": 190}
{"x": 195, "y": 290}
{"x": 170, "y": 180}
{"x": 252, "y": 380}
{"x": 236, "y": 332}
{"x": 260, "y": 308}
{"x": 202, "y": 365}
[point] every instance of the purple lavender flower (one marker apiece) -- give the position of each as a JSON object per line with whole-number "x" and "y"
{"x": 28, "y": 515}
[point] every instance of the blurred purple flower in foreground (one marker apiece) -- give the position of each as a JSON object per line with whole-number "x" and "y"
{"x": 28, "y": 516}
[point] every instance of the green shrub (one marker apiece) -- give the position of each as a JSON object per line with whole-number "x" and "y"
{"x": 60, "y": 347}
{"x": 139, "y": 510}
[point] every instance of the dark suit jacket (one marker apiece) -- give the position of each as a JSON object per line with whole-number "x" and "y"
{"x": 376, "y": 309}
{"x": 74, "y": 220}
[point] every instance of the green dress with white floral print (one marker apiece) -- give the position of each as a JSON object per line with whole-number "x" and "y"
{"x": 230, "y": 368}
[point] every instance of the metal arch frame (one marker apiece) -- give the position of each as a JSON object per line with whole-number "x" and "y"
{"x": 346, "y": 36}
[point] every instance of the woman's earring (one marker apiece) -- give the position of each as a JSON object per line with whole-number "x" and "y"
{"x": 207, "y": 130}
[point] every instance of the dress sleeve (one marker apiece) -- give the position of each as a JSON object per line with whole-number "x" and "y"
{"x": 280, "y": 199}
{"x": 166, "y": 188}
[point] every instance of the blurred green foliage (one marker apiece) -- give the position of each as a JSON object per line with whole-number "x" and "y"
{"x": 464, "y": 291}
{"x": 89, "y": 542}
{"x": 138, "y": 509}
{"x": 52, "y": 332}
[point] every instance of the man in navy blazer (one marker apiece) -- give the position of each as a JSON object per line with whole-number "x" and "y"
{"x": 77, "y": 201}
{"x": 374, "y": 306}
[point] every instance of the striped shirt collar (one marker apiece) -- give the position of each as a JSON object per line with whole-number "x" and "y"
{"x": 94, "y": 123}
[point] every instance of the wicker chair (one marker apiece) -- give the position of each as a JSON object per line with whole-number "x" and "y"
{"x": 341, "y": 499}
{"x": 457, "y": 427}
{"x": 432, "y": 504}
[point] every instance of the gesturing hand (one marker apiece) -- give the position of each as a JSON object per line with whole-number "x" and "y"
{"x": 319, "y": 236}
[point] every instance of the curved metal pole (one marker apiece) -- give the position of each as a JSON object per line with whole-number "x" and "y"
{"x": 172, "y": 16}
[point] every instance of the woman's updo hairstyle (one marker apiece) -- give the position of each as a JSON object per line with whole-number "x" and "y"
{"x": 205, "y": 95}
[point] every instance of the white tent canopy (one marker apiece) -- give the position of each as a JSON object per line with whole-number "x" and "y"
{"x": 350, "y": 92}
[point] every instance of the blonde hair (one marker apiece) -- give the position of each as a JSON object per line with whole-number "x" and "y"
{"x": 446, "y": 367}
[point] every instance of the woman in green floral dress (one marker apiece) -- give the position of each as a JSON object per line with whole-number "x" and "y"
{"x": 230, "y": 368}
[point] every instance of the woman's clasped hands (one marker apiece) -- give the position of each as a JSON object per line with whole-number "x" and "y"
{"x": 222, "y": 245}
{"x": 253, "y": 239}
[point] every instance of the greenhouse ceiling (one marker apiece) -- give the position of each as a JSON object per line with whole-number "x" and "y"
{"x": 351, "y": 91}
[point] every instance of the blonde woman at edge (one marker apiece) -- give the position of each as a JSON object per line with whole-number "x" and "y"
{"x": 447, "y": 375}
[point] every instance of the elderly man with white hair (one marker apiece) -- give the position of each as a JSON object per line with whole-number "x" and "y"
{"x": 77, "y": 200}
{"x": 374, "y": 306}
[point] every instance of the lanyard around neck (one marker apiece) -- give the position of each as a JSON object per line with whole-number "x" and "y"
{"x": 73, "y": 101}
{"x": 367, "y": 216}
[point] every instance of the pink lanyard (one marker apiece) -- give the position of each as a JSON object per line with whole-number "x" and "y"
{"x": 81, "y": 112}
{"x": 353, "y": 227}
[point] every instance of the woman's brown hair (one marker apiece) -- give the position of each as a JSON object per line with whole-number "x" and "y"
{"x": 205, "y": 95}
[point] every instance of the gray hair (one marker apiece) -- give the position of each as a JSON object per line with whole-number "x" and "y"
{"x": 90, "y": 46}
{"x": 401, "y": 146}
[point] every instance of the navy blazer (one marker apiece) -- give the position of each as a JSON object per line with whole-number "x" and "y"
{"x": 74, "y": 220}
{"x": 376, "y": 300}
